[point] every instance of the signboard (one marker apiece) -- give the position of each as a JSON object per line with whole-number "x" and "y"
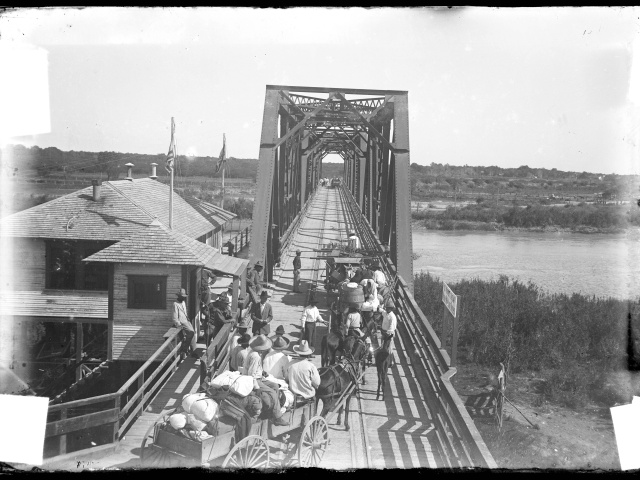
{"x": 449, "y": 299}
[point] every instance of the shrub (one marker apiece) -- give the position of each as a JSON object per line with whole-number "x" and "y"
{"x": 575, "y": 339}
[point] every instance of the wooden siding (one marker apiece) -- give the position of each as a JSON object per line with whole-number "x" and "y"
{"x": 137, "y": 333}
{"x": 29, "y": 264}
{"x": 54, "y": 303}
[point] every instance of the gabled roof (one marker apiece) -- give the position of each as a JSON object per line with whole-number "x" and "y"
{"x": 211, "y": 212}
{"x": 157, "y": 244}
{"x": 123, "y": 209}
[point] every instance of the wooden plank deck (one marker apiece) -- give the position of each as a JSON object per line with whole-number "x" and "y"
{"x": 399, "y": 431}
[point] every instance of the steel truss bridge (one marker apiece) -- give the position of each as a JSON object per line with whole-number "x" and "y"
{"x": 421, "y": 422}
{"x": 369, "y": 129}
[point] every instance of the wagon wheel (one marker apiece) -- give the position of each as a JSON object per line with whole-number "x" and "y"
{"x": 313, "y": 442}
{"x": 250, "y": 452}
{"x": 152, "y": 456}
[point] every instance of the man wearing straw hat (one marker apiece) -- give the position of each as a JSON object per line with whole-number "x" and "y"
{"x": 181, "y": 320}
{"x": 302, "y": 374}
{"x": 276, "y": 362}
{"x": 219, "y": 314}
{"x": 268, "y": 391}
{"x": 254, "y": 278}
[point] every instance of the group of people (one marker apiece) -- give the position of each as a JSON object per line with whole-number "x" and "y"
{"x": 374, "y": 283}
{"x": 263, "y": 357}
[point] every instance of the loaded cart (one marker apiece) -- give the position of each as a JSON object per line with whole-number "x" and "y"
{"x": 163, "y": 447}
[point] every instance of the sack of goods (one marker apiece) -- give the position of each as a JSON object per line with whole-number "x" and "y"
{"x": 194, "y": 423}
{"x": 178, "y": 420}
{"x": 242, "y": 386}
{"x": 225, "y": 379}
{"x": 289, "y": 399}
{"x": 200, "y": 405}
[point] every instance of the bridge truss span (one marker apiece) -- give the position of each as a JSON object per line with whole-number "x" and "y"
{"x": 369, "y": 129}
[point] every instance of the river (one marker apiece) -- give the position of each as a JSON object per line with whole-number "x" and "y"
{"x": 598, "y": 264}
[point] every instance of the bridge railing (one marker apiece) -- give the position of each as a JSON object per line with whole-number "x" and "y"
{"x": 289, "y": 234}
{"x": 460, "y": 443}
{"x": 113, "y": 412}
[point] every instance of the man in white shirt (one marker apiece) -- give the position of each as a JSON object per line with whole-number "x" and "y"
{"x": 389, "y": 325}
{"x": 378, "y": 275}
{"x": 181, "y": 320}
{"x": 275, "y": 362}
{"x": 354, "y": 241}
{"x": 239, "y": 353}
{"x": 309, "y": 318}
{"x": 303, "y": 375}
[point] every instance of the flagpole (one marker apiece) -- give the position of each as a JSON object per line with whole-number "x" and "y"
{"x": 171, "y": 184}
{"x": 222, "y": 200}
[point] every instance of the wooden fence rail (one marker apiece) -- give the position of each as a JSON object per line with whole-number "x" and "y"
{"x": 240, "y": 241}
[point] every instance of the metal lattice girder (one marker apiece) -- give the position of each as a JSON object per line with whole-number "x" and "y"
{"x": 299, "y": 129}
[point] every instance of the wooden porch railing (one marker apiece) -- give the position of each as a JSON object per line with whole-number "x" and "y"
{"x": 114, "y": 411}
{"x": 240, "y": 241}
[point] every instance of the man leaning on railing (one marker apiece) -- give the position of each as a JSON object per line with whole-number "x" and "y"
{"x": 181, "y": 320}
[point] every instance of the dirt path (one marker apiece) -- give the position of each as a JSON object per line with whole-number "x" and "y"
{"x": 566, "y": 439}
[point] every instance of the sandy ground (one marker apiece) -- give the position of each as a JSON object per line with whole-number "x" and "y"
{"x": 565, "y": 438}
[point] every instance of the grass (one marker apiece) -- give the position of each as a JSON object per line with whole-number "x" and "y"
{"x": 576, "y": 343}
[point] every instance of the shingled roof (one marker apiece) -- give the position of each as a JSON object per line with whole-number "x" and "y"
{"x": 157, "y": 244}
{"x": 123, "y": 209}
{"x": 211, "y": 212}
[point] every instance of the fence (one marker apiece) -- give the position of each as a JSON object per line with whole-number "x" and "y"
{"x": 460, "y": 443}
{"x": 240, "y": 240}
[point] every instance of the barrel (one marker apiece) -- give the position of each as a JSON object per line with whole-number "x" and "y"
{"x": 351, "y": 295}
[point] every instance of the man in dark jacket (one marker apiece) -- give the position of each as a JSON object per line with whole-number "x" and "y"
{"x": 297, "y": 266}
{"x": 261, "y": 314}
{"x": 219, "y": 314}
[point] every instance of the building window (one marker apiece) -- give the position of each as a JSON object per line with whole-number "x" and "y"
{"x": 65, "y": 269}
{"x": 148, "y": 292}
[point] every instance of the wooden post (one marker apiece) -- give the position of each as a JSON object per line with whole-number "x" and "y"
{"x": 116, "y": 425}
{"x": 63, "y": 438}
{"x": 444, "y": 332}
{"x": 79, "y": 344}
{"x": 236, "y": 291}
{"x": 454, "y": 335}
{"x": 141, "y": 387}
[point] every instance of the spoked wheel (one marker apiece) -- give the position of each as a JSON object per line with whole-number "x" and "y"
{"x": 313, "y": 442}
{"x": 250, "y": 452}
{"x": 152, "y": 456}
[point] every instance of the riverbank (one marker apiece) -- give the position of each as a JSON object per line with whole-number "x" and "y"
{"x": 453, "y": 225}
{"x": 579, "y": 218}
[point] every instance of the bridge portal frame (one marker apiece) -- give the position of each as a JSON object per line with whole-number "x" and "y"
{"x": 370, "y": 132}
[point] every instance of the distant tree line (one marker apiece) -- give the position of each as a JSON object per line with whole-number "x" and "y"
{"x": 51, "y": 160}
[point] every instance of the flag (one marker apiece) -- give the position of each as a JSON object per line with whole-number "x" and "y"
{"x": 223, "y": 153}
{"x": 171, "y": 155}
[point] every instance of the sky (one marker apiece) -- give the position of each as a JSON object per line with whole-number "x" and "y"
{"x": 543, "y": 87}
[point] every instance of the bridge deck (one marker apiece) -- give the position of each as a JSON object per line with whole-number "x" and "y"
{"x": 397, "y": 432}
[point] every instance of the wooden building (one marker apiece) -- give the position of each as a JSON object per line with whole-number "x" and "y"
{"x": 48, "y": 282}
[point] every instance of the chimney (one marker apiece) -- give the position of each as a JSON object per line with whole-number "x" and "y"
{"x": 97, "y": 188}
{"x": 129, "y": 171}
{"x": 153, "y": 171}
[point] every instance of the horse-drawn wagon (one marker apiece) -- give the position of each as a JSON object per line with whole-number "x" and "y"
{"x": 163, "y": 446}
